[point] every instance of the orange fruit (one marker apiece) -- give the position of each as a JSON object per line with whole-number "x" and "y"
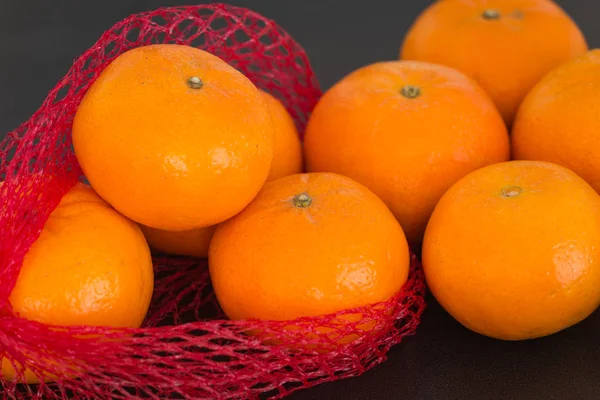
{"x": 512, "y": 250}
{"x": 193, "y": 242}
{"x": 287, "y": 160}
{"x": 287, "y": 151}
{"x": 507, "y": 46}
{"x": 307, "y": 245}
{"x": 558, "y": 120}
{"x": 90, "y": 266}
{"x": 407, "y": 131}
{"x": 173, "y": 137}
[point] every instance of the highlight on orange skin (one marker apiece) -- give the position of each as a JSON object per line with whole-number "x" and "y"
{"x": 287, "y": 160}
{"x": 190, "y": 138}
{"x": 307, "y": 245}
{"x": 512, "y": 250}
{"x": 90, "y": 266}
{"x": 407, "y": 130}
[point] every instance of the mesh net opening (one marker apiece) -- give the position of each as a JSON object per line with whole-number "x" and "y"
{"x": 186, "y": 349}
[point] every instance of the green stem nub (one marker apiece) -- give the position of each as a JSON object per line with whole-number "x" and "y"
{"x": 195, "y": 83}
{"x": 410, "y": 92}
{"x": 302, "y": 200}
{"x": 491, "y": 14}
{"x": 511, "y": 191}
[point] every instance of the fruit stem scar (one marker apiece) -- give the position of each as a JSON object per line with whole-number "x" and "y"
{"x": 491, "y": 14}
{"x": 511, "y": 191}
{"x": 195, "y": 83}
{"x": 302, "y": 200}
{"x": 410, "y": 92}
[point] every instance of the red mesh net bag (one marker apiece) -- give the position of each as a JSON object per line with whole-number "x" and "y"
{"x": 186, "y": 348}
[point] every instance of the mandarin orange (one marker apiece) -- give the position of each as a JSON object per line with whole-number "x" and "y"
{"x": 89, "y": 266}
{"x": 558, "y": 120}
{"x": 512, "y": 250}
{"x": 173, "y": 137}
{"x": 307, "y": 245}
{"x": 287, "y": 160}
{"x": 507, "y": 46}
{"x": 287, "y": 150}
{"x": 406, "y": 130}
{"x": 193, "y": 242}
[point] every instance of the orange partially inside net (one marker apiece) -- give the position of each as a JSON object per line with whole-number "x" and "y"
{"x": 186, "y": 348}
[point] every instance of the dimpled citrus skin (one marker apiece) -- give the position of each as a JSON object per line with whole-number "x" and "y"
{"x": 287, "y": 160}
{"x": 512, "y": 250}
{"x": 276, "y": 261}
{"x": 558, "y": 120}
{"x": 408, "y": 151}
{"x": 90, "y": 266}
{"x": 168, "y": 155}
{"x": 507, "y": 55}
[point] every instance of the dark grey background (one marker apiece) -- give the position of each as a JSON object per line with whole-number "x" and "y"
{"x": 40, "y": 39}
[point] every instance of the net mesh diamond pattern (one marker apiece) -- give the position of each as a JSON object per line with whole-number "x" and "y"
{"x": 186, "y": 348}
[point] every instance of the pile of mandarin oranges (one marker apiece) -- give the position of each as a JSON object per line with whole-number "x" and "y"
{"x": 475, "y": 148}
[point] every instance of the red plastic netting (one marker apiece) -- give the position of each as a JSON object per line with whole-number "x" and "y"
{"x": 186, "y": 348}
